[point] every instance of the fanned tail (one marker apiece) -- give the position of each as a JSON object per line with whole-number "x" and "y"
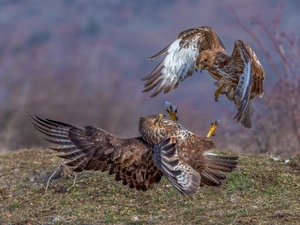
{"x": 212, "y": 174}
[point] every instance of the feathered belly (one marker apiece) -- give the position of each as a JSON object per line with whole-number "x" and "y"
{"x": 224, "y": 77}
{"x": 227, "y": 83}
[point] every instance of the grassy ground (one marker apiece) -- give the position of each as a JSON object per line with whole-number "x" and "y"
{"x": 261, "y": 191}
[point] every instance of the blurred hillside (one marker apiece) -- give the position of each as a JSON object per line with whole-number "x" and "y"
{"x": 82, "y": 64}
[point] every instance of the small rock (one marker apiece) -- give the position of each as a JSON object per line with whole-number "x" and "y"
{"x": 135, "y": 218}
{"x": 275, "y": 159}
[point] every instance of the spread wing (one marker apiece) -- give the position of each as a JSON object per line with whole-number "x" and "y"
{"x": 179, "y": 62}
{"x": 182, "y": 176}
{"x": 91, "y": 148}
{"x": 258, "y": 74}
{"x": 250, "y": 82}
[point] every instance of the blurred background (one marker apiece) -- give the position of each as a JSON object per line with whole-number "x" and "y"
{"x": 82, "y": 62}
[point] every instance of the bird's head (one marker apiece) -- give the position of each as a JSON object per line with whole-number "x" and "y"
{"x": 200, "y": 65}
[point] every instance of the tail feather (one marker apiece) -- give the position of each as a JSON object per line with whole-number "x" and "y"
{"x": 209, "y": 179}
{"x": 215, "y": 173}
{"x": 212, "y": 174}
{"x": 246, "y": 120}
{"x": 219, "y": 168}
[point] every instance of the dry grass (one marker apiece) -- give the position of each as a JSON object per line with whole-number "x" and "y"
{"x": 261, "y": 191}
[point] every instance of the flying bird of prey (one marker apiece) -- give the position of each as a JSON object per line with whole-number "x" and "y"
{"x": 239, "y": 75}
{"x": 164, "y": 148}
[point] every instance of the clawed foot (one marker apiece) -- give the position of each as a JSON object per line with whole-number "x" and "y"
{"x": 218, "y": 91}
{"x": 172, "y": 110}
{"x": 212, "y": 129}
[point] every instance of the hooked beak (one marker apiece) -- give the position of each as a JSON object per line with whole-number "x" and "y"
{"x": 159, "y": 118}
{"x": 199, "y": 67}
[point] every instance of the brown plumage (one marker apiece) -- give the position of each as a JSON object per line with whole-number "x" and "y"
{"x": 192, "y": 151}
{"x": 164, "y": 148}
{"x": 239, "y": 76}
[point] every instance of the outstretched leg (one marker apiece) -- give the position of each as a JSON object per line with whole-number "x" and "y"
{"x": 218, "y": 91}
{"x": 212, "y": 128}
{"x": 172, "y": 110}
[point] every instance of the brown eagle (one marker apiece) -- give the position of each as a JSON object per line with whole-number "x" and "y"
{"x": 239, "y": 75}
{"x": 164, "y": 148}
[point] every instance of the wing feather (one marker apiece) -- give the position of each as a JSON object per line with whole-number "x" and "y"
{"x": 162, "y": 52}
{"x": 245, "y": 65}
{"x": 258, "y": 74}
{"x": 182, "y": 176}
{"x": 240, "y": 58}
{"x": 91, "y": 148}
{"x": 179, "y": 62}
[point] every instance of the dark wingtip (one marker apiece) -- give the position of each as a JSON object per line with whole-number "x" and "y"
{"x": 246, "y": 123}
{"x": 238, "y": 117}
{"x": 243, "y": 116}
{"x": 31, "y": 118}
{"x": 144, "y": 78}
{"x": 154, "y": 94}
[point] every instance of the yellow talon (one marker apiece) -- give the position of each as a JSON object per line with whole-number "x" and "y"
{"x": 172, "y": 114}
{"x": 172, "y": 110}
{"x": 212, "y": 129}
{"x": 218, "y": 91}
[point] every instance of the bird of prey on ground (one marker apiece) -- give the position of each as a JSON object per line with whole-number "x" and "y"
{"x": 165, "y": 148}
